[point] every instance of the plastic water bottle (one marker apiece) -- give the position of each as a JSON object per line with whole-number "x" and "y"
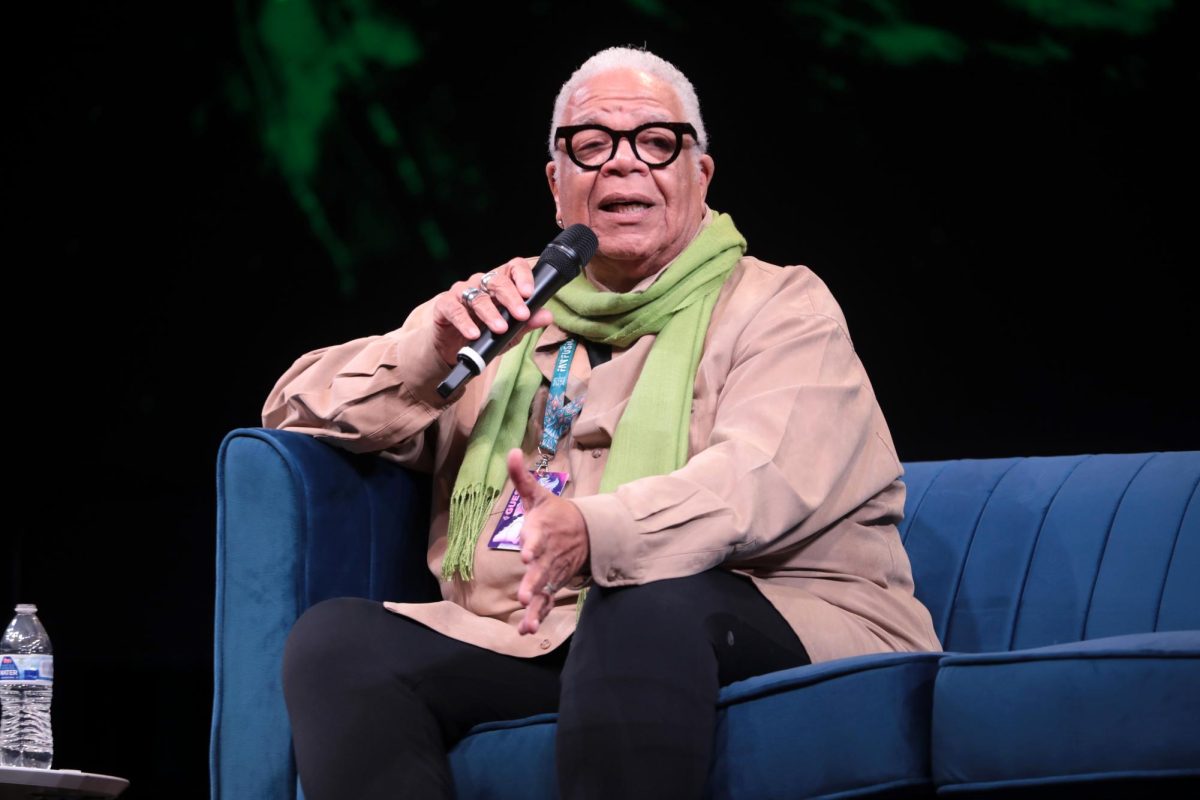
{"x": 26, "y": 685}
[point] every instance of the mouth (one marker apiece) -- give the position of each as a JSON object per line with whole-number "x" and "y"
{"x": 626, "y": 204}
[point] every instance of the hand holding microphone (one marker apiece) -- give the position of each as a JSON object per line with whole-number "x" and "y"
{"x": 506, "y": 301}
{"x": 457, "y": 322}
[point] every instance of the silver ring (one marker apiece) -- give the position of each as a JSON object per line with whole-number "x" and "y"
{"x": 469, "y": 294}
{"x": 487, "y": 277}
{"x": 550, "y": 588}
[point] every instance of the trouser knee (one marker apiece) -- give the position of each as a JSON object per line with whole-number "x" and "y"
{"x": 683, "y": 621}
{"x": 322, "y": 641}
{"x": 666, "y": 612}
{"x": 645, "y": 631}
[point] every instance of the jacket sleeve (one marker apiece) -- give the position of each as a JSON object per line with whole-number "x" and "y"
{"x": 798, "y": 441}
{"x": 372, "y": 394}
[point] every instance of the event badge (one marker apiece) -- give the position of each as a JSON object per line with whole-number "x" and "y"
{"x": 507, "y": 535}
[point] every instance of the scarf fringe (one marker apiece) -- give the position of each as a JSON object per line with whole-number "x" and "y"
{"x": 468, "y": 511}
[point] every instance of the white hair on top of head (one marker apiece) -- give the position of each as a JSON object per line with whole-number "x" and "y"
{"x": 633, "y": 58}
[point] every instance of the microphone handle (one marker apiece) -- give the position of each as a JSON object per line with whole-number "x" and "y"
{"x": 475, "y": 356}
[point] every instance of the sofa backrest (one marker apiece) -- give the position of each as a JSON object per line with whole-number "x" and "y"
{"x": 1024, "y": 552}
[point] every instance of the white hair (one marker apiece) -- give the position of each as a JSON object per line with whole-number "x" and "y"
{"x": 633, "y": 58}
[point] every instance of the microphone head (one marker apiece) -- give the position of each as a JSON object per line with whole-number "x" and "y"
{"x": 581, "y": 239}
{"x": 571, "y": 249}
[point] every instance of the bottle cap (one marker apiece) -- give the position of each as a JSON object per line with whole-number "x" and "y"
{"x": 26, "y": 608}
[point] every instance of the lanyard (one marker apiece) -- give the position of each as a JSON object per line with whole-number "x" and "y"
{"x": 558, "y": 416}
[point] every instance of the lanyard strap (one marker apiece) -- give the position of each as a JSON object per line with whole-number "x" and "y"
{"x": 559, "y": 416}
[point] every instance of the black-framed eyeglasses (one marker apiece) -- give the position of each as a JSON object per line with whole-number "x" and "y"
{"x": 656, "y": 144}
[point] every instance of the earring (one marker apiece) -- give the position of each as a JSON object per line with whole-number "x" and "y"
{"x": 559, "y": 221}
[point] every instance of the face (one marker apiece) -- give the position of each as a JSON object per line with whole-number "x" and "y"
{"x": 643, "y": 217}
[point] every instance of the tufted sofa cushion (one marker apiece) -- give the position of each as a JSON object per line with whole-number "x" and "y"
{"x": 1118, "y": 708}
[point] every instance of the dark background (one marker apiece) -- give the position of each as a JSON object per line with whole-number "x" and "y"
{"x": 999, "y": 193}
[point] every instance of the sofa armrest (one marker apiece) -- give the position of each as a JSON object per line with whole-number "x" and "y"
{"x": 298, "y": 521}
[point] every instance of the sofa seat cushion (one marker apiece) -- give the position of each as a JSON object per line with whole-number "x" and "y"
{"x": 846, "y": 728}
{"x": 507, "y": 760}
{"x": 1121, "y": 708}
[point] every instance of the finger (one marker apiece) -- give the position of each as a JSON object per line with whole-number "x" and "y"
{"x": 543, "y": 609}
{"x": 531, "y": 585}
{"x": 540, "y": 319}
{"x": 450, "y": 311}
{"x": 508, "y": 294}
{"x": 531, "y": 541}
{"x": 537, "y": 611}
{"x": 521, "y": 274}
{"x": 483, "y": 308}
{"x": 534, "y": 614}
{"x": 525, "y": 484}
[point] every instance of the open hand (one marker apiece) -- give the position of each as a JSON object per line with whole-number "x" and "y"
{"x": 554, "y": 543}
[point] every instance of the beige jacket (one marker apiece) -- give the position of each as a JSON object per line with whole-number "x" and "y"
{"x": 792, "y": 477}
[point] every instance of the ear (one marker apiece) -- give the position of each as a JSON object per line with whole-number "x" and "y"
{"x": 551, "y": 171}
{"x": 707, "y": 168}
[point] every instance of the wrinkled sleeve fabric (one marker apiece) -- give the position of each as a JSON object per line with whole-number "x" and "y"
{"x": 795, "y": 421}
{"x": 371, "y": 394}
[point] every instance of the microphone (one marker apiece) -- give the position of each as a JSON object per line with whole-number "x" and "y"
{"x": 561, "y": 261}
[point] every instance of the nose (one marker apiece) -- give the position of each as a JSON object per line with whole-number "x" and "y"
{"x": 625, "y": 160}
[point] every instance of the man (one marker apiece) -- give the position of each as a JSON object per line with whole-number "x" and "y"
{"x": 731, "y": 488}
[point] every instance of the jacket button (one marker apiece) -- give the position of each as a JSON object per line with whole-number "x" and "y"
{"x": 595, "y": 454}
{"x": 545, "y": 644}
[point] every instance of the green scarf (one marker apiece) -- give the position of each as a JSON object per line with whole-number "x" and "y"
{"x": 652, "y": 434}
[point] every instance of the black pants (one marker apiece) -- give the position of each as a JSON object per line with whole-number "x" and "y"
{"x": 376, "y": 699}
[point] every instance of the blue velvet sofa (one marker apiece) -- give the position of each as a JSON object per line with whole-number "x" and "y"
{"x": 1066, "y": 591}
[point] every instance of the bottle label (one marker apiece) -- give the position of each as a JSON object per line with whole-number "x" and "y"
{"x": 25, "y": 668}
